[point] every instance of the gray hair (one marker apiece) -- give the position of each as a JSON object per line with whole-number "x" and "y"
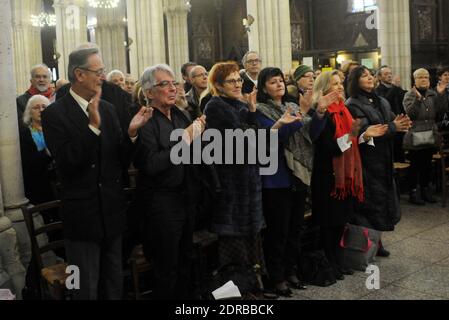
{"x": 114, "y": 73}
{"x": 245, "y": 57}
{"x": 30, "y": 104}
{"x": 78, "y": 59}
{"x": 148, "y": 79}
{"x": 40, "y": 66}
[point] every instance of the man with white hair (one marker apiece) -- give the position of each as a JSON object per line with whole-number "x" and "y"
{"x": 40, "y": 84}
{"x": 116, "y": 77}
{"x": 167, "y": 191}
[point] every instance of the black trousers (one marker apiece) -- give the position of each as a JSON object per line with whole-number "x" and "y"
{"x": 284, "y": 216}
{"x": 420, "y": 168}
{"x": 168, "y": 242}
{"x": 100, "y": 266}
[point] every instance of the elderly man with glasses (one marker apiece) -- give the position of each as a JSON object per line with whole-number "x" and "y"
{"x": 168, "y": 192}
{"x": 252, "y": 64}
{"x": 84, "y": 136}
{"x": 40, "y": 85}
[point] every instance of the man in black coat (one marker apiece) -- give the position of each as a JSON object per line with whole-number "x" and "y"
{"x": 395, "y": 96}
{"x": 253, "y": 64}
{"x": 84, "y": 136}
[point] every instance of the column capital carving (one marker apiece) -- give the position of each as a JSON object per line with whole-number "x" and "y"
{"x": 174, "y": 7}
{"x": 66, "y": 3}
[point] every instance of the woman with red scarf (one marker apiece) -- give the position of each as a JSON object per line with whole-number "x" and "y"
{"x": 337, "y": 179}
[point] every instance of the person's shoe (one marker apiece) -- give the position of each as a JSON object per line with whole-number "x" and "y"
{"x": 427, "y": 195}
{"x": 346, "y": 271}
{"x": 415, "y": 198}
{"x": 282, "y": 290}
{"x": 382, "y": 252}
{"x": 338, "y": 274}
{"x": 295, "y": 283}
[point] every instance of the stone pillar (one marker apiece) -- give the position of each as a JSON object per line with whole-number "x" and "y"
{"x": 395, "y": 39}
{"x": 176, "y": 12}
{"x": 12, "y": 194}
{"x": 270, "y": 33}
{"x": 26, "y": 40}
{"x": 110, "y": 35}
{"x": 146, "y": 34}
{"x": 71, "y": 30}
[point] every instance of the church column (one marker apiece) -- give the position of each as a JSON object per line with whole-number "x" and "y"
{"x": 270, "y": 33}
{"x": 26, "y": 40}
{"x": 110, "y": 35}
{"x": 394, "y": 37}
{"x": 146, "y": 34}
{"x": 71, "y": 30}
{"x": 176, "y": 12}
{"x": 12, "y": 193}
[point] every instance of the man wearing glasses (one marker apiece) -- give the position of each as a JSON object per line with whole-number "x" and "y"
{"x": 40, "y": 84}
{"x": 252, "y": 64}
{"x": 84, "y": 136}
{"x": 167, "y": 191}
{"x": 198, "y": 79}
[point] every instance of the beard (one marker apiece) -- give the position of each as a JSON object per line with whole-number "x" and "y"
{"x": 42, "y": 88}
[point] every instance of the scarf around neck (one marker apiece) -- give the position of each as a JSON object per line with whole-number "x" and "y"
{"x": 299, "y": 148}
{"x": 34, "y": 91}
{"x": 348, "y": 166}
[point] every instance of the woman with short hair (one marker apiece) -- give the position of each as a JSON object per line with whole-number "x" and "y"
{"x": 426, "y": 108}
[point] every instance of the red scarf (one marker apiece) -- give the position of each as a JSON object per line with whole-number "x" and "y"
{"x": 34, "y": 91}
{"x": 348, "y": 166}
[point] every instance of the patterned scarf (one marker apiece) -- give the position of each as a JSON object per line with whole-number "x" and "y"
{"x": 348, "y": 166}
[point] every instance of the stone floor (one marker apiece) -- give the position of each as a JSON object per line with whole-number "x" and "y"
{"x": 418, "y": 268}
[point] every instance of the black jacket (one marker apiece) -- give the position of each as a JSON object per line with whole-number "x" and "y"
{"x": 36, "y": 168}
{"x": 119, "y": 98}
{"x": 394, "y": 95}
{"x": 327, "y": 211}
{"x": 89, "y": 168}
{"x": 380, "y": 210}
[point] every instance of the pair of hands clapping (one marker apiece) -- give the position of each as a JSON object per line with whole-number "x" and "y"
{"x": 138, "y": 121}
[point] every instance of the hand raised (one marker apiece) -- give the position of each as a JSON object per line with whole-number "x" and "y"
{"x": 93, "y": 110}
{"x": 417, "y": 94}
{"x": 289, "y": 117}
{"x": 305, "y": 101}
{"x": 376, "y": 131}
{"x": 252, "y": 100}
{"x": 139, "y": 120}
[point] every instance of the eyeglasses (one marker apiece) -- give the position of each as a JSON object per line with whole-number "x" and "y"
{"x": 255, "y": 61}
{"x": 165, "y": 84}
{"x": 234, "y": 82}
{"x": 205, "y": 74}
{"x": 38, "y": 76}
{"x": 98, "y": 73}
{"x": 39, "y": 107}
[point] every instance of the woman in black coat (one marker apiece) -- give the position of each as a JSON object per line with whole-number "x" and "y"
{"x": 380, "y": 211}
{"x": 238, "y": 217}
{"x": 36, "y": 159}
{"x": 336, "y": 148}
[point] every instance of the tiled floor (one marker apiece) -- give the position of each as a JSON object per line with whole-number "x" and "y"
{"x": 418, "y": 268}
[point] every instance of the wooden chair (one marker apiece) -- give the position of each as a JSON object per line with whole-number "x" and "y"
{"x": 400, "y": 170}
{"x": 51, "y": 278}
{"x": 139, "y": 265}
{"x": 443, "y": 156}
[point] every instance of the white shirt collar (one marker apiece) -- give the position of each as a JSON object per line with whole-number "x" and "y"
{"x": 81, "y": 102}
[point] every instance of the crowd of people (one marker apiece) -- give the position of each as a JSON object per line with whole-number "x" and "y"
{"x": 339, "y": 134}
